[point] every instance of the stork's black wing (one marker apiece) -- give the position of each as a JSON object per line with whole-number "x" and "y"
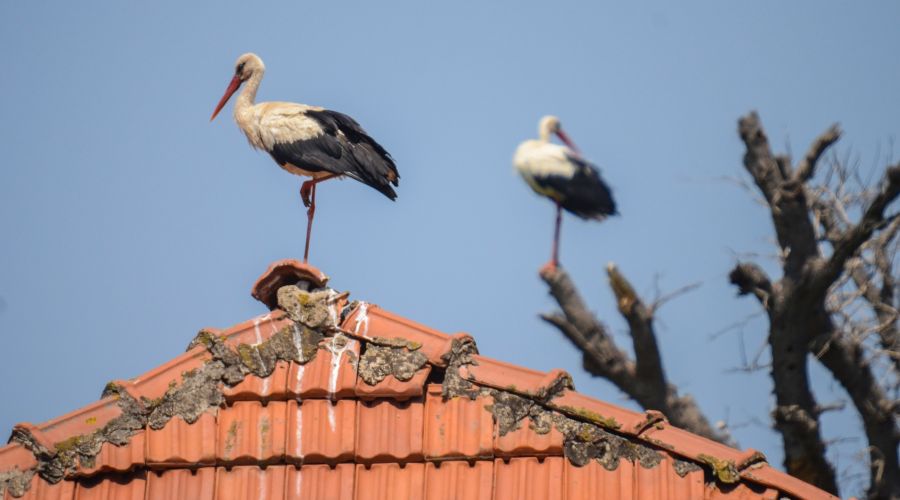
{"x": 343, "y": 148}
{"x": 585, "y": 194}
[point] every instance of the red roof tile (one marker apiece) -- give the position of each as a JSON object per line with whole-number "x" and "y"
{"x": 458, "y": 428}
{"x": 369, "y": 321}
{"x": 252, "y": 433}
{"x": 180, "y": 444}
{"x": 127, "y": 487}
{"x": 321, "y": 431}
{"x": 330, "y": 375}
{"x": 389, "y": 431}
{"x": 182, "y": 483}
{"x": 42, "y": 490}
{"x": 15, "y": 456}
{"x": 60, "y": 430}
{"x": 253, "y": 388}
{"x": 390, "y": 482}
{"x": 268, "y": 422}
{"x": 528, "y": 478}
{"x": 399, "y": 390}
{"x": 524, "y": 441}
{"x": 321, "y": 481}
{"x": 249, "y": 481}
{"x": 459, "y": 480}
{"x": 113, "y": 458}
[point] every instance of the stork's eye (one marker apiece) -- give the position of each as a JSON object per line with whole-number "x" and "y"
{"x": 240, "y": 69}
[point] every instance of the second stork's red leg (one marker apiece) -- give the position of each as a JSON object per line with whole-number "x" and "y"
{"x": 310, "y": 213}
{"x": 554, "y": 256}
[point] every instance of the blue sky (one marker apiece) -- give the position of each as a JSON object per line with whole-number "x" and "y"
{"x": 129, "y": 221}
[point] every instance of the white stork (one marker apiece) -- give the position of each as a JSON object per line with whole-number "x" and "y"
{"x": 307, "y": 140}
{"x": 560, "y": 173}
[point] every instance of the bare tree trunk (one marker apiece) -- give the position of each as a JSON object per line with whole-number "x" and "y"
{"x": 799, "y": 321}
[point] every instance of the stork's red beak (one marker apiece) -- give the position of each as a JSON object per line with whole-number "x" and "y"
{"x": 568, "y": 142}
{"x": 232, "y": 88}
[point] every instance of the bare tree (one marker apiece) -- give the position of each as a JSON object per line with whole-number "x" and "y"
{"x": 835, "y": 302}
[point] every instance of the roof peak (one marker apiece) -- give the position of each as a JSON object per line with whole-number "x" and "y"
{"x": 286, "y": 272}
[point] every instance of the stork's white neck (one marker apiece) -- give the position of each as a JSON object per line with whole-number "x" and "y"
{"x": 544, "y": 135}
{"x": 247, "y": 97}
{"x": 243, "y": 109}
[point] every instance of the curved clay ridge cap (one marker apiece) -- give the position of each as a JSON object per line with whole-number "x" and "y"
{"x": 282, "y": 273}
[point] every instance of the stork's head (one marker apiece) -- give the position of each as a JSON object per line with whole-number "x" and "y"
{"x": 550, "y": 125}
{"x": 246, "y": 66}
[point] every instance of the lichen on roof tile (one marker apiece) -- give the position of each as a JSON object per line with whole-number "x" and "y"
{"x": 382, "y": 359}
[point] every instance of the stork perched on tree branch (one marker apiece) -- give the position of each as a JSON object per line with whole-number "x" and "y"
{"x": 561, "y": 174}
{"x": 307, "y": 140}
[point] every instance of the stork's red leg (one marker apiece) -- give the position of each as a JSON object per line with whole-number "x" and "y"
{"x": 554, "y": 256}
{"x": 310, "y": 213}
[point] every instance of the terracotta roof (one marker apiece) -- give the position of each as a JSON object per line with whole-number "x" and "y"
{"x": 325, "y": 398}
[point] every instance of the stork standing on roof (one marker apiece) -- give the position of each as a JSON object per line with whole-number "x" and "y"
{"x": 560, "y": 173}
{"x": 307, "y": 140}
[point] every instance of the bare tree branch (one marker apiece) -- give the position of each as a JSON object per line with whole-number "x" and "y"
{"x": 806, "y": 168}
{"x": 864, "y": 272}
{"x": 846, "y": 361}
{"x": 873, "y": 219}
{"x": 643, "y": 380}
{"x": 586, "y": 332}
{"x": 661, "y": 299}
{"x": 597, "y": 359}
{"x": 786, "y": 197}
{"x": 640, "y": 324}
{"x": 758, "y": 160}
{"x": 751, "y": 279}
{"x": 881, "y": 301}
{"x": 836, "y": 406}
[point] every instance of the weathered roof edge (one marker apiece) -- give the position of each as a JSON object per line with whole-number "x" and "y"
{"x": 553, "y": 391}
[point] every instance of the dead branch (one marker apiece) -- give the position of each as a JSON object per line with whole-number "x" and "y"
{"x": 865, "y": 271}
{"x": 807, "y": 167}
{"x": 751, "y": 279}
{"x": 873, "y": 219}
{"x": 586, "y": 332}
{"x": 662, "y": 298}
{"x": 786, "y": 197}
{"x": 642, "y": 379}
{"x": 640, "y": 324}
{"x": 596, "y": 360}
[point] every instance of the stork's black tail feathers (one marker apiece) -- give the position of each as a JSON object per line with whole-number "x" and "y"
{"x": 584, "y": 193}
{"x": 588, "y": 197}
{"x": 367, "y": 161}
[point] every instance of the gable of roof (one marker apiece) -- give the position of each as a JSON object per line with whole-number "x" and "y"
{"x": 325, "y": 398}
